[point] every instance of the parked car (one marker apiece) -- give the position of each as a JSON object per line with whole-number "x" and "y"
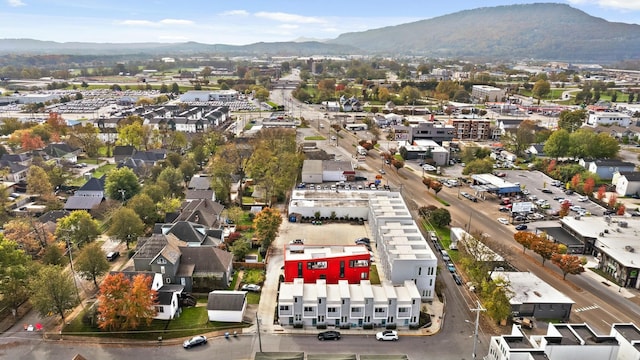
{"x": 547, "y": 191}
{"x": 457, "y": 279}
{"x": 521, "y": 227}
{"x": 583, "y": 198}
{"x": 329, "y": 335}
{"x": 387, "y": 335}
{"x": 365, "y": 240}
{"x": 504, "y": 209}
{"x": 111, "y": 256}
{"x": 251, "y": 287}
{"x": 382, "y": 171}
{"x": 503, "y": 221}
{"x": 194, "y": 341}
{"x": 451, "y": 267}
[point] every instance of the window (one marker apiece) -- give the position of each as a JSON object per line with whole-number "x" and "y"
{"x": 162, "y": 269}
{"x": 379, "y": 310}
{"x": 363, "y": 276}
{"x": 284, "y": 307}
{"x": 161, "y": 261}
{"x": 308, "y": 308}
{"x": 159, "y": 309}
{"x": 167, "y": 280}
{"x": 315, "y": 265}
{"x": 419, "y": 271}
{"x": 342, "y": 269}
{"x": 358, "y": 263}
{"x": 403, "y": 310}
{"x": 331, "y": 310}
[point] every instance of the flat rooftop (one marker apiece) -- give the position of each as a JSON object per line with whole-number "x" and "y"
{"x": 311, "y": 252}
{"x": 529, "y": 289}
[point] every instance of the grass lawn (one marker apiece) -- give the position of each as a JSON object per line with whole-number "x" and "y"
{"x": 192, "y": 321}
{"x": 373, "y": 275}
{"x": 317, "y": 137}
{"x": 104, "y": 169}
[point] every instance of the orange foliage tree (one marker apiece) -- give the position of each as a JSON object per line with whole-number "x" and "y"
{"x": 545, "y": 248}
{"x": 569, "y": 264}
{"x": 565, "y": 207}
{"x": 621, "y": 209}
{"x": 125, "y": 305}
{"x": 575, "y": 181}
{"x": 526, "y": 239}
{"x": 602, "y": 191}
{"x": 589, "y": 185}
{"x": 56, "y": 123}
{"x": 612, "y": 200}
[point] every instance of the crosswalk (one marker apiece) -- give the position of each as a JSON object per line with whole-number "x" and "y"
{"x": 587, "y": 308}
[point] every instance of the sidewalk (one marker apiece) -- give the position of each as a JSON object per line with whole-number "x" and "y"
{"x": 628, "y": 293}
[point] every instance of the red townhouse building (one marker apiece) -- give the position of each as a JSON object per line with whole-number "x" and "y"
{"x": 331, "y": 263}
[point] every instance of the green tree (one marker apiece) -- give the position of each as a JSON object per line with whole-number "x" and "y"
{"x": 558, "y": 144}
{"x": 267, "y": 223}
{"x": 53, "y": 291}
{"x": 174, "y": 178}
{"x": 478, "y": 166}
{"x": 126, "y": 225}
{"x": 144, "y": 207}
{"x": 540, "y": 89}
{"x": 78, "y": 228}
{"x": 131, "y": 134}
{"x": 122, "y": 184}
{"x": 85, "y": 136}
{"x": 240, "y": 248}
{"x": 15, "y": 273}
{"x": 525, "y": 135}
{"x": 175, "y": 88}
{"x": 91, "y": 263}
{"x": 440, "y": 217}
{"x": 571, "y": 120}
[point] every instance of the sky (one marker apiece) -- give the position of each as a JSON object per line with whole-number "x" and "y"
{"x": 240, "y": 22}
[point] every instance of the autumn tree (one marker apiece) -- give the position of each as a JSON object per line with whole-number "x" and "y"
{"x": 524, "y": 136}
{"x": 56, "y": 123}
{"x": 575, "y": 181}
{"x": 15, "y": 272}
{"x": 569, "y": 264}
{"x": 540, "y": 89}
{"x": 85, "y": 136}
{"x": 427, "y": 182}
{"x": 32, "y": 236}
{"x": 235, "y": 214}
{"x": 122, "y": 184}
{"x": 545, "y": 248}
{"x": 436, "y": 186}
{"x": 91, "y": 263}
{"x": 126, "y": 305}
{"x": 525, "y": 238}
{"x": 78, "y": 228}
{"x": 53, "y": 291}
{"x": 26, "y": 140}
{"x": 612, "y": 200}
{"x": 588, "y": 186}
{"x": 602, "y": 192}
{"x": 126, "y": 225}
{"x": 267, "y": 223}
{"x": 38, "y": 181}
{"x": 620, "y": 209}
{"x": 565, "y": 208}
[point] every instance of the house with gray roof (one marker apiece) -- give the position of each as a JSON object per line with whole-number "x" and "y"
{"x": 226, "y": 306}
{"x": 123, "y": 152}
{"x": 62, "y": 151}
{"x": 607, "y": 167}
{"x": 201, "y": 211}
{"x": 15, "y": 171}
{"x": 200, "y": 182}
{"x": 90, "y": 195}
{"x": 627, "y": 182}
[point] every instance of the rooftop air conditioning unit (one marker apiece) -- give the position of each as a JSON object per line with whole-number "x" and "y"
{"x": 623, "y": 224}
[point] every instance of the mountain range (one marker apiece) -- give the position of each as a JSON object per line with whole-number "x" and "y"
{"x": 541, "y": 31}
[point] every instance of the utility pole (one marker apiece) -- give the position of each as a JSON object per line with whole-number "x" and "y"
{"x": 475, "y": 334}
{"x": 259, "y": 337}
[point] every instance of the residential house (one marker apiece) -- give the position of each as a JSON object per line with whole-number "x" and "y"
{"x": 62, "y": 152}
{"x": 226, "y": 306}
{"x": 15, "y": 172}
{"x": 50, "y": 219}
{"x": 627, "y": 183}
{"x": 508, "y": 125}
{"x": 201, "y": 211}
{"x": 192, "y": 194}
{"x": 150, "y": 157}
{"x": 90, "y": 195}
{"x": 200, "y": 182}
{"x": 123, "y": 152}
{"x": 167, "y": 304}
{"x": 606, "y": 168}
{"x": 347, "y": 305}
{"x": 596, "y": 118}
{"x": 535, "y": 150}
{"x": 189, "y": 232}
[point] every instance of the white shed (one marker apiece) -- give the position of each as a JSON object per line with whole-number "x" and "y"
{"x": 226, "y": 306}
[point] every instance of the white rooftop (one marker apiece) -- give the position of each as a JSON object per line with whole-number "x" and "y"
{"x": 529, "y": 289}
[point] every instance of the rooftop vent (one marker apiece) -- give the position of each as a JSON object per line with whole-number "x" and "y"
{"x": 629, "y": 248}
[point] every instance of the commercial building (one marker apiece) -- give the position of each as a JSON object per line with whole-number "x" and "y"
{"x": 319, "y": 171}
{"x": 532, "y": 297}
{"x": 347, "y": 305}
{"x": 472, "y": 129}
{"x": 487, "y": 93}
{"x": 209, "y": 95}
{"x": 329, "y": 263}
{"x": 608, "y": 118}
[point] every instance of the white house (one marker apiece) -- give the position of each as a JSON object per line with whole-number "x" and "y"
{"x": 627, "y": 183}
{"x": 226, "y": 305}
{"x": 606, "y": 168}
{"x": 168, "y": 305}
{"x": 337, "y": 170}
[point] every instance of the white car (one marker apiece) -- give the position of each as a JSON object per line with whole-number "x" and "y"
{"x": 250, "y": 287}
{"x": 387, "y": 335}
{"x": 503, "y": 221}
{"x": 427, "y": 167}
{"x": 583, "y": 198}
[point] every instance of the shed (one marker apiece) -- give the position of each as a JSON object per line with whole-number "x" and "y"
{"x": 226, "y": 305}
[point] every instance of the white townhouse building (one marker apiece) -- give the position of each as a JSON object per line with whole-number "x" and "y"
{"x": 608, "y": 118}
{"x": 347, "y": 305}
{"x": 209, "y": 95}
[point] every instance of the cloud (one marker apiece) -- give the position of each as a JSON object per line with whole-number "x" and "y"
{"x": 176, "y": 22}
{"x": 235, "y": 13}
{"x": 147, "y": 23}
{"x": 289, "y": 18}
{"x": 611, "y": 4}
{"x": 16, "y": 3}
{"x": 288, "y": 26}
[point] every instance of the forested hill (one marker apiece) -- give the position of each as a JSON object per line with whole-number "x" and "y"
{"x": 533, "y": 31}
{"x": 542, "y": 31}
